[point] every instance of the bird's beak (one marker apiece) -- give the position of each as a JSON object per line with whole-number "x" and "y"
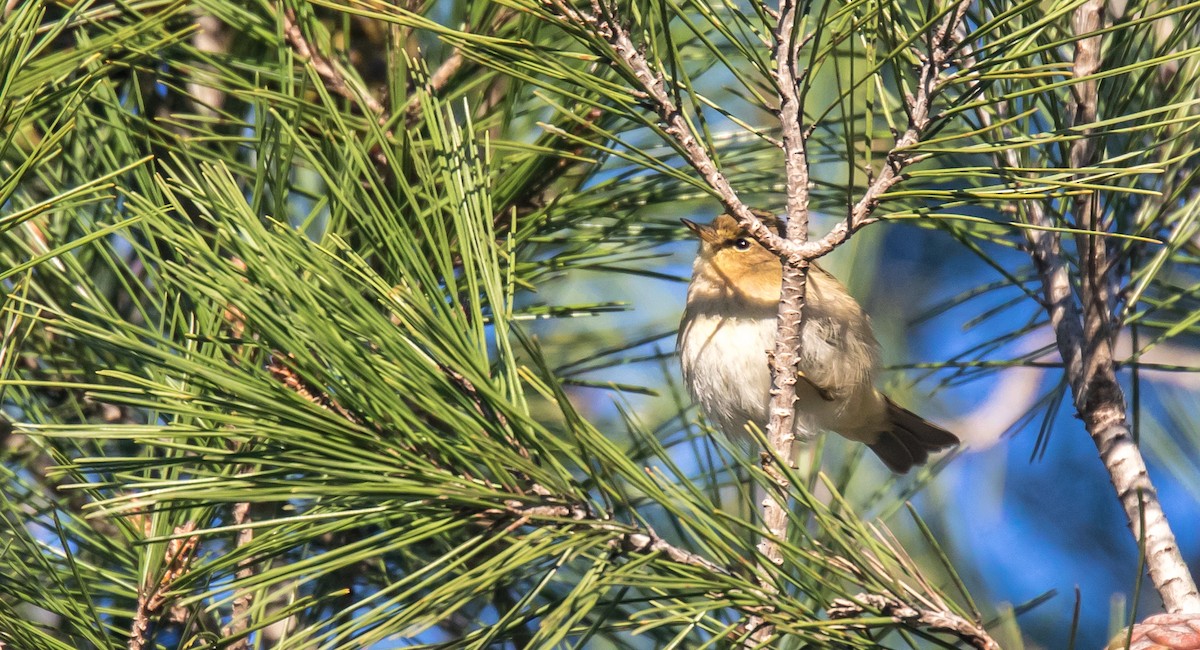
{"x": 703, "y": 230}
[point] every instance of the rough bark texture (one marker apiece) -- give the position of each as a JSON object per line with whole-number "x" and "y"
{"x": 781, "y": 424}
{"x": 797, "y": 252}
{"x": 1084, "y": 331}
{"x": 969, "y": 632}
{"x": 1098, "y": 395}
{"x": 240, "y": 620}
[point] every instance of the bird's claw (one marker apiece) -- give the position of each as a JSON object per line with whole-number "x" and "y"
{"x": 825, "y": 393}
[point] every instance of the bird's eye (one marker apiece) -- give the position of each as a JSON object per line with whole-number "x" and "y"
{"x": 741, "y": 243}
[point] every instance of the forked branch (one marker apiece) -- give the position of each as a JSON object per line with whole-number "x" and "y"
{"x": 796, "y": 250}
{"x": 789, "y": 79}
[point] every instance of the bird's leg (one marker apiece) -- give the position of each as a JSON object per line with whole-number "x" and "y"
{"x": 825, "y": 393}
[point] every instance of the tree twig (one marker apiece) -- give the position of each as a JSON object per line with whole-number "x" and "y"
{"x": 333, "y": 77}
{"x": 329, "y": 71}
{"x": 935, "y": 621}
{"x": 240, "y": 619}
{"x": 1084, "y": 335}
{"x": 212, "y": 38}
{"x": 627, "y": 539}
{"x": 796, "y": 250}
{"x": 603, "y": 22}
{"x": 786, "y": 356}
{"x": 784, "y": 360}
{"x": 152, "y": 596}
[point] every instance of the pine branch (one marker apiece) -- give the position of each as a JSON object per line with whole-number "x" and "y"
{"x": 797, "y": 251}
{"x": 1085, "y": 333}
{"x": 786, "y": 357}
{"x": 334, "y": 78}
{"x": 604, "y": 22}
{"x": 624, "y": 538}
{"x": 239, "y": 621}
{"x": 152, "y": 596}
{"x": 935, "y": 621}
{"x": 1098, "y": 395}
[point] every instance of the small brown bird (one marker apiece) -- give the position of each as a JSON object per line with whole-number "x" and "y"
{"x": 729, "y": 327}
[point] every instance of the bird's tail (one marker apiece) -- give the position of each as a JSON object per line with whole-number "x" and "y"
{"x": 909, "y": 439}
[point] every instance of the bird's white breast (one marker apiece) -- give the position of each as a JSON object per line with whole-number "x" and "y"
{"x": 725, "y": 367}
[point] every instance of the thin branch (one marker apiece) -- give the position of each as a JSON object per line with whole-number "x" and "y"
{"x": 152, "y": 596}
{"x": 1084, "y": 335}
{"x": 641, "y": 541}
{"x": 333, "y": 77}
{"x": 796, "y": 250}
{"x": 240, "y": 619}
{"x": 935, "y": 621}
{"x": 338, "y": 82}
{"x": 603, "y": 22}
{"x": 784, "y": 360}
{"x": 289, "y": 378}
{"x": 329, "y": 71}
{"x": 449, "y": 68}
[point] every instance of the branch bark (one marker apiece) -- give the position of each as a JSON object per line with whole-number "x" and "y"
{"x": 152, "y": 595}
{"x": 1098, "y": 395}
{"x": 935, "y": 621}
{"x": 784, "y": 360}
{"x": 1084, "y": 331}
{"x": 604, "y": 23}
{"x": 333, "y": 77}
{"x": 239, "y": 621}
{"x": 627, "y": 539}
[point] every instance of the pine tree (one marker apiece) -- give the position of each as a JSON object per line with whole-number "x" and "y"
{"x": 290, "y": 357}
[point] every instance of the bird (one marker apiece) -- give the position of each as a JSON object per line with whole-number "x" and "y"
{"x": 728, "y": 331}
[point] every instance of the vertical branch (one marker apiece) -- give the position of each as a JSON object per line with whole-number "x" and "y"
{"x": 1098, "y": 395}
{"x": 240, "y": 620}
{"x": 784, "y": 371}
{"x": 1084, "y": 329}
{"x": 211, "y": 37}
{"x": 796, "y": 250}
{"x": 781, "y": 424}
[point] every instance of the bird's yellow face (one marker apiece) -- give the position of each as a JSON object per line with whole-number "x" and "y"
{"x": 732, "y": 265}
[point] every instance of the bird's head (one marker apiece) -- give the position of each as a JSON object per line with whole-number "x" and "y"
{"x": 731, "y": 264}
